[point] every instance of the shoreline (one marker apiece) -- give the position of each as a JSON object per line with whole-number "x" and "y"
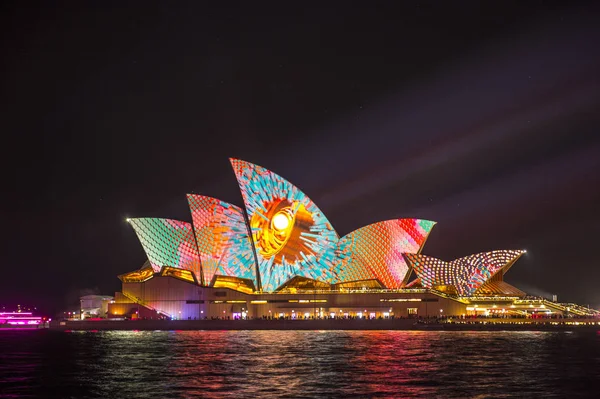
{"x": 325, "y": 324}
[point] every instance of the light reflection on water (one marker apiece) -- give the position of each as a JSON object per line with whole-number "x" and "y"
{"x": 296, "y": 364}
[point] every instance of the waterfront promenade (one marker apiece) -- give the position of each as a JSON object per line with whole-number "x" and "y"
{"x": 475, "y": 324}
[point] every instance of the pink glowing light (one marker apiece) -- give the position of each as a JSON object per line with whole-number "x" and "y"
{"x": 20, "y": 318}
{"x": 14, "y": 313}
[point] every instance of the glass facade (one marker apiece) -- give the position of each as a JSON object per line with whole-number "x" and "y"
{"x": 181, "y": 274}
{"x": 138, "y": 276}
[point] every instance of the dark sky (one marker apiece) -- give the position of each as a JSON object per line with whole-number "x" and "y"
{"x": 482, "y": 118}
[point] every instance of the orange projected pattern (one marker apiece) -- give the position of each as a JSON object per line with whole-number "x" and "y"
{"x": 138, "y": 276}
{"x": 375, "y": 251}
{"x": 168, "y": 243}
{"x": 181, "y": 274}
{"x": 274, "y": 229}
{"x": 465, "y": 274}
{"x": 223, "y": 240}
{"x": 291, "y": 235}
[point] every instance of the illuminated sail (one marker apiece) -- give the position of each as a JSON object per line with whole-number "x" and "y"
{"x": 168, "y": 243}
{"x": 290, "y": 234}
{"x": 466, "y": 274}
{"x": 375, "y": 251}
{"x": 223, "y": 241}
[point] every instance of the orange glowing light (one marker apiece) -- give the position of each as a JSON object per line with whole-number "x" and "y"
{"x": 277, "y": 231}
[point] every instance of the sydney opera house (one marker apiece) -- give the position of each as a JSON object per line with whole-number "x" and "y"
{"x": 279, "y": 256}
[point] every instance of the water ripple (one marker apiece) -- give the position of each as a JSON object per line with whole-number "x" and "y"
{"x": 298, "y": 364}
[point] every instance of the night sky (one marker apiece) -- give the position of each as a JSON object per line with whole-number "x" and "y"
{"x": 484, "y": 119}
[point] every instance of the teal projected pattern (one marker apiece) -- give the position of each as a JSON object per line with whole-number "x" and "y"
{"x": 222, "y": 237}
{"x": 291, "y": 235}
{"x": 375, "y": 251}
{"x": 168, "y": 243}
{"x": 466, "y": 274}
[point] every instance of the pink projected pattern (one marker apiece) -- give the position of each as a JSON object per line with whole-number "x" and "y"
{"x": 375, "y": 251}
{"x": 222, "y": 236}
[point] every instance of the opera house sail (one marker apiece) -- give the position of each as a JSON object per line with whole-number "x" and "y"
{"x": 169, "y": 243}
{"x": 223, "y": 241}
{"x": 375, "y": 251}
{"x": 291, "y": 236}
{"x": 465, "y": 275}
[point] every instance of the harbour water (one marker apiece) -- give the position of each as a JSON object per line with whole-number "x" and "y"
{"x": 299, "y": 364}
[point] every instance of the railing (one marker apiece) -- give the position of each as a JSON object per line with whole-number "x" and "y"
{"x": 580, "y": 310}
{"x": 573, "y": 308}
{"x": 448, "y": 296}
{"x": 144, "y": 304}
{"x": 351, "y": 291}
{"x": 376, "y": 291}
{"x": 491, "y": 298}
{"x": 554, "y": 305}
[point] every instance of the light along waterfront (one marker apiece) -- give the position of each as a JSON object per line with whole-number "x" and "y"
{"x": 450, "y": 324}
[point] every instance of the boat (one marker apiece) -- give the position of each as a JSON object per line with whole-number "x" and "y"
{"x": 22, "y": 321}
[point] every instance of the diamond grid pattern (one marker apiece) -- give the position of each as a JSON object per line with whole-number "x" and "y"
{"x": 168, "y": 242}
{"x": 375, "y": 251}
